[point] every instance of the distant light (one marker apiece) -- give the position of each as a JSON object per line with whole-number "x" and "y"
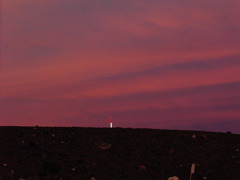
{"x": 110, "y": 120}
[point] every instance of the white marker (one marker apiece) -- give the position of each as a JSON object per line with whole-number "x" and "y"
{"x": 192, "y": 171}
{"x": 110, "y": 122}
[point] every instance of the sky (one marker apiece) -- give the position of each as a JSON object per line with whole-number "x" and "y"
{"x": 162, "y": 64}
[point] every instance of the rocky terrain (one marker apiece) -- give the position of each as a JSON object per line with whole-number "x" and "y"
{"x": 69, "y": 153}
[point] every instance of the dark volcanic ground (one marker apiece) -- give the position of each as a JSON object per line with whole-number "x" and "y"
{"x": 33, "y": 153}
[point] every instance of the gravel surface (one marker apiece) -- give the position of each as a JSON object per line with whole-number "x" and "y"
{"x": 69, "y": 153}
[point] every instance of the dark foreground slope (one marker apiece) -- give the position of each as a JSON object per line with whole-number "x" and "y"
{"x": 34, "y": 153}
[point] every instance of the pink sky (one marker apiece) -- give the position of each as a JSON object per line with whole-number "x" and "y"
{"x": 150, "y": 64}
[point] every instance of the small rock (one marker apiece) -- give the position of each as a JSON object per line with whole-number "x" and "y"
{"x": 173, "y": 178}
{"x": 73, "y": 169}
{"x": 194, "y": 136}
{"x": 21, "y": 179}
{"x": 93, "y": 178}
{"x": 142, "y": 168}
{"x": 5, "y": 165}
{"x": 103, "y": 146}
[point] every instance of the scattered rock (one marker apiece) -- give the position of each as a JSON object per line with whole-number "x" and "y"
{"x": 103, "y": 146}
{"x": 73, "y": 169}
{"x": 142, "y": 168}
{"x": 194, "y": 136}
{"x": 173, "y": 178}
{"x": 80, "y": 157}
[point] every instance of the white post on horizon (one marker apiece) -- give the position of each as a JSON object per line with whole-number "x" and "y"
{"x": 110, "y": 119}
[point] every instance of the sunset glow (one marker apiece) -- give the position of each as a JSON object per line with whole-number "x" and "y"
{"x": 149, "y": 64}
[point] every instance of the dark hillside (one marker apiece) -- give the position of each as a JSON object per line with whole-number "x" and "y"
{"x": 34, "y": 153}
